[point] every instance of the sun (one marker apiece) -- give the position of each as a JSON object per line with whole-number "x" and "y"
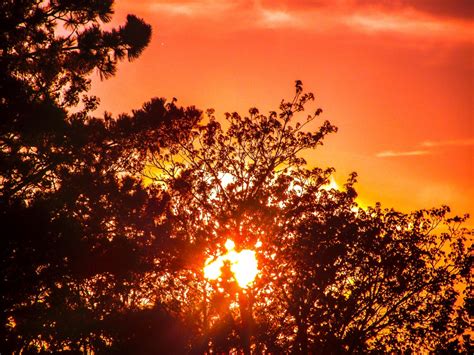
{"x": 243, "y": 264}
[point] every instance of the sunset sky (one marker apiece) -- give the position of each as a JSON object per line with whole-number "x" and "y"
{"x": 396, "y": 77}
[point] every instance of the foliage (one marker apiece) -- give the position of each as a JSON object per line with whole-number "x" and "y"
{"x": 333, "y": 276}
{"x": 107, "y": 222}
{"x": 77, "y": 256}
{"x": 48, "y": 49}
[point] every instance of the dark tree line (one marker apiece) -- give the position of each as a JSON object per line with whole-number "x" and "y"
{"x": 106, "y": 222}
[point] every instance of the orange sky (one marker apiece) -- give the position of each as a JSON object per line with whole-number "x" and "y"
{"x": 396, "y": 77}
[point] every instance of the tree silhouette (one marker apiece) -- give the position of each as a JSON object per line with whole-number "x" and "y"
{"x": 47, "y": 51}
{"x": 78, "y": 254}
{"x": 77, "y": 260}
{"x": 107, "y": 223}
{"x": 333, "y": 277}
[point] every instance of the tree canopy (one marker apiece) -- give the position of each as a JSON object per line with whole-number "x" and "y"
{"x": 108, "y": 222}
{"x": 48, "y": 49}
{"x": 333, "y": 276}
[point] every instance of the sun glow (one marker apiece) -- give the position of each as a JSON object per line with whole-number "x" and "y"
{"x": 332, "y": 184}
{"x": 243, "y": 265}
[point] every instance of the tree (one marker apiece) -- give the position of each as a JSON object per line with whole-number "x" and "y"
{"x": 77, "y": 259}
{"x": 90, "y": 246}
{"x": 333, "y": 276}
{"x": 48, "y": 49}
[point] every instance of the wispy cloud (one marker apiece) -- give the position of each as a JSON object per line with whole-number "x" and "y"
{"x": 192, "y": 8}
{"x": 426, "y": 144}
{"x": 382, "y": 22}
{"x": 451, "y": 142}
{"x": 277, "y": 18}
{"x": 174, "y": 9}
{"x": 252, "y": 13}
{"x": 456, "y": 9}
{"x": 393, "y": 154}
{"x": 368, "y": 16}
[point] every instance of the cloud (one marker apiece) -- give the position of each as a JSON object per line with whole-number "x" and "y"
{"x": 456, "y": 9}
{"x": 392, "y": 154}
{"x": 174, "y": 9}
{"x": 390, "y": 23}
{"x": 423, "y": 18}
{"x": 426, "y": 144}
{"x": 453, "y": 9}
{"x": 277, "y": 18}
{"x": 413, "y": 18}
{"x": 245, "y": 12}
{"x": 452, "y": 142}
{"x": 192, "y": 8}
